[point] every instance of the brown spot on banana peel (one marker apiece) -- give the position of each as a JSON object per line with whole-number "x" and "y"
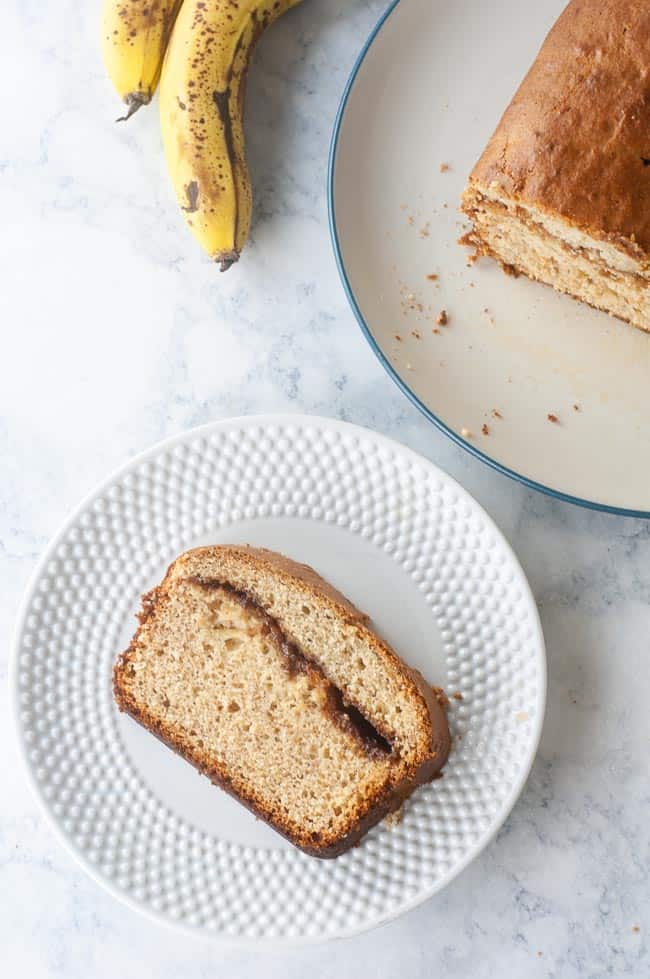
{"x": 192, "y": 194}
{"x": 221, "y": 100}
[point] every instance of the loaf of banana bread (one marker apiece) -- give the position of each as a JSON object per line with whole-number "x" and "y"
{"x": 562, "y": 190}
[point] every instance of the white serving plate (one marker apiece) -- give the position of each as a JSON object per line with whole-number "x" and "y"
{"x": 428, "y": 89}
{"x": 405, "y": 543}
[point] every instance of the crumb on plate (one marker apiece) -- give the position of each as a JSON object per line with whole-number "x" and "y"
{"x": 394, "y": 818}
{"x": 441, "y": 697}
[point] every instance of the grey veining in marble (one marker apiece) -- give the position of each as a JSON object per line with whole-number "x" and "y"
{"x": 116, "y": 332}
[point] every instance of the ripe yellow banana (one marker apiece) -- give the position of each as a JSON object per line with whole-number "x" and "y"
{"x": 134, "y": 37}
{"x": 201, "y": 116}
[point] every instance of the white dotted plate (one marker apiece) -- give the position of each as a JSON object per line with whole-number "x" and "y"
{"x": 405, "y": 543}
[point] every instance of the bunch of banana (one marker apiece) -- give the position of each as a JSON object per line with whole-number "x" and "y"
{"x": 134, "y": 39}
{"x": 201, "y": 105}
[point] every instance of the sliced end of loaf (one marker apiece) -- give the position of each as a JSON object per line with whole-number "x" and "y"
{"x": 545, "y": 247}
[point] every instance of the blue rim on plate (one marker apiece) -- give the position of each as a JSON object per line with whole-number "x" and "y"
{"x": 388, "y": 367}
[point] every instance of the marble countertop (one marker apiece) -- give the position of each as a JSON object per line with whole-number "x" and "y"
{"x": 117, "y": 333}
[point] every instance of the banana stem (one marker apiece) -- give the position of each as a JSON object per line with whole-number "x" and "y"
{"x": 133, "y": 102}
{"x": 226, "y": 260}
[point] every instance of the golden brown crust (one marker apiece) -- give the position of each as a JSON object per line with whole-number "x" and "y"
{"x": 392, "y": 794}
{"x": 575, "y": 140}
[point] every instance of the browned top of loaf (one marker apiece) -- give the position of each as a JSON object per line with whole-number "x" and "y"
{"x": 575, "y": 139}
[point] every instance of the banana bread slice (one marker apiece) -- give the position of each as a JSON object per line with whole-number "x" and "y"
{"x": 273, "y": 685}
{"x": 562, "y": 190}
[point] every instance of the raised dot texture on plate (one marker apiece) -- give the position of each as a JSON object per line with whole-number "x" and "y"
{"x": 360, "y": 509}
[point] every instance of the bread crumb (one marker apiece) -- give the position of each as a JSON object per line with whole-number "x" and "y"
{"x": 441, "y": 697}
{"x": 432, "y": 277}
{"x": 393, "y": 819}
{"x": 636, "y": 928}
{"x": 411, "y": 220}
{"x": 444, "y": 168}
{"x": 554, "y": 419}
{"x": 521, "y": 716}
{"x": 442, "y": 319}
{"x": 424, "y": 231}
{"x": 465, "y": 432}
{"x": 496, "y": 413}
{"x": 576, "y": 407}
{"x": 457, "y": 695}
{"x": 435, "y": 330}
{"x": 485, "y": 430}
{"x": 414, "y": 333}
{"x": 409, "y": 367}
{"x": 398, "y": 338}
